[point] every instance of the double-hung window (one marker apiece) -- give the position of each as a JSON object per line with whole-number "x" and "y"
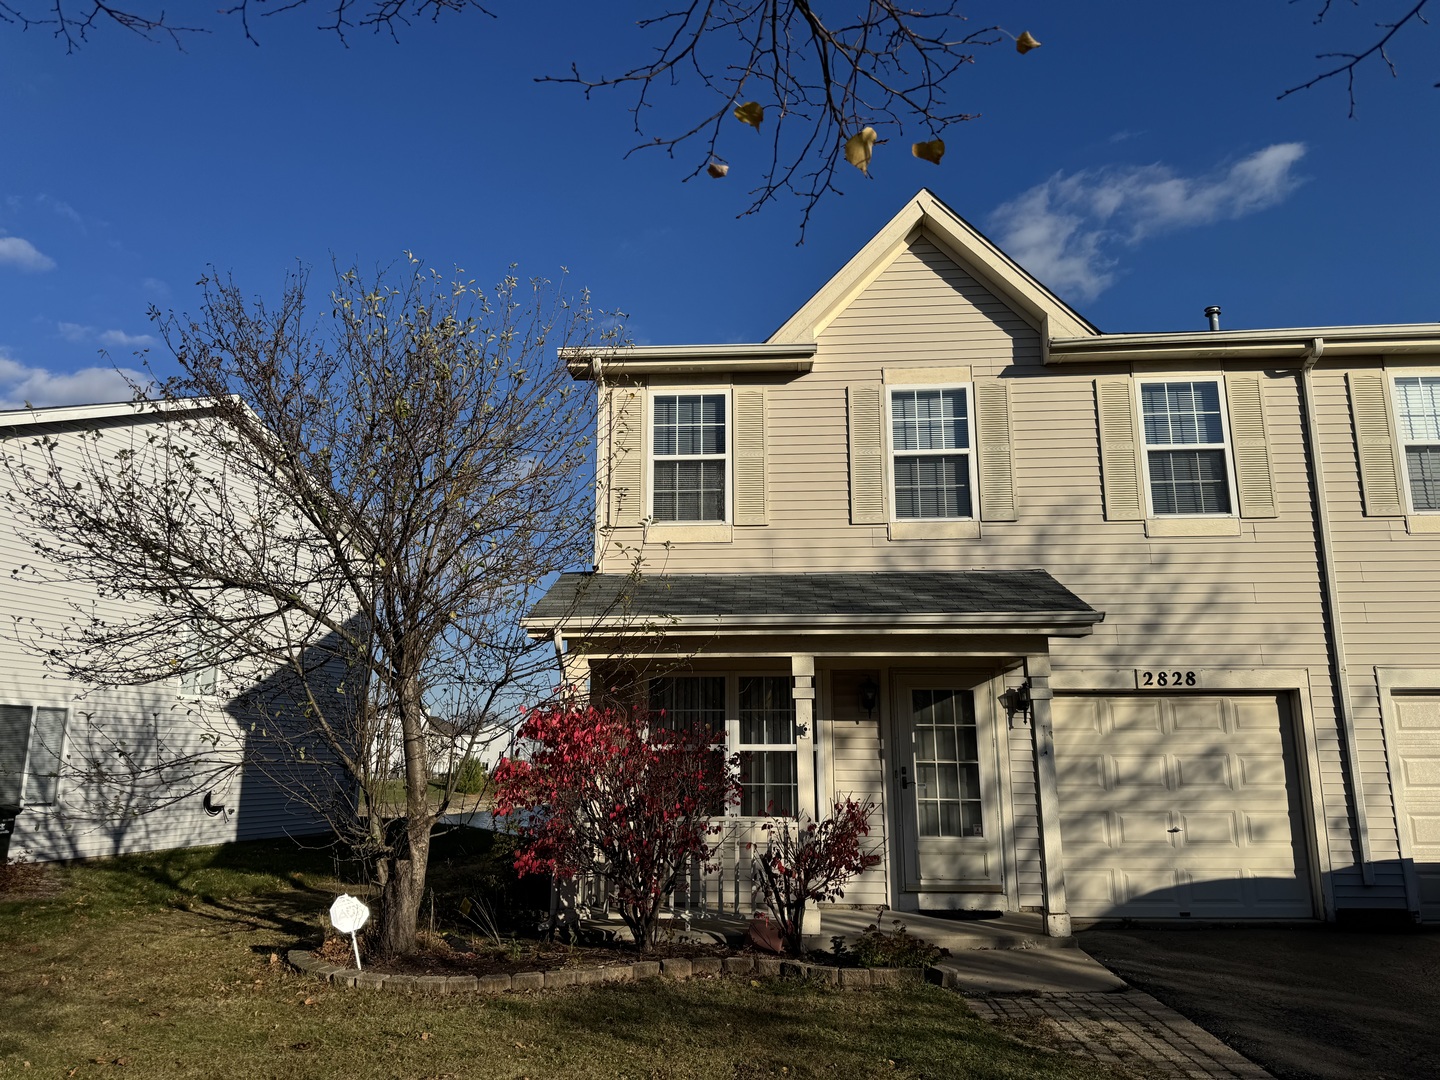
{"x": 1417, "y": 410}
{"x": 690, "y": 457}
{"x": 768, "y": 780}
{"x": 755, "y": 715}
{"x": 32, "y": 745}
{"x": 1186, "y": 451}
{"x": 930, "y": 444}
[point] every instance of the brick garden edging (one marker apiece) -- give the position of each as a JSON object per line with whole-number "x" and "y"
{"x": 307, "y": 963}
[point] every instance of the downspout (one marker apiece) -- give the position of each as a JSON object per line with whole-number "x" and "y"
{"x": 609, "y": 406}
{"x": 1340, "y": 672}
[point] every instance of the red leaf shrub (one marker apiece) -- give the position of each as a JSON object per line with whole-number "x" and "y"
{"x": 808, "y": 861}
{"x": 615, "y": 793}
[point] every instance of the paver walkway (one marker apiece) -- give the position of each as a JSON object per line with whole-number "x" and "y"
{"x": 1128, "y": 1029}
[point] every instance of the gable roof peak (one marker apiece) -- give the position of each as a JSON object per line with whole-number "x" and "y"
{"x": 927, "y": 214}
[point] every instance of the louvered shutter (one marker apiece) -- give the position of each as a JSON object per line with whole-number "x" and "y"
{"x": 1119, "y": 451}
{"x": 627, "y": 456}
{"x": 1253, "y": 477}
{"x": 993, "y": 443}
{"x": 1375, "y": 444}
{"x": 750, "y": 479}
{"x": 867, "y": 455}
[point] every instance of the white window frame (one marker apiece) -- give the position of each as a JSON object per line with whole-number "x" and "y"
{"x": 726, "y": 458}
{"x": 733, "y": 744}
{"x": 969, "y": 451}
{"x": 61, "y": 754}
{"x": 1225, "y": 446}
{"x": 1403, "y": 443}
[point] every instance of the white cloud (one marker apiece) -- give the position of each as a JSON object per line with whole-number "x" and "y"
{"x": 1065, "y": 231}
{"x": 115, "y": 339}
{"x": 61, "y": 208}
{"x": 21, "y": 385}
{"x": 23, "y": 255}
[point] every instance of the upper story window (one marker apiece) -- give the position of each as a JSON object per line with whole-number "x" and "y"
{"x": 930, "y": 443}
{"x": 690, "y": 457}
{"x": 1186, "y": 452}
{"x": 1417, "y": 410}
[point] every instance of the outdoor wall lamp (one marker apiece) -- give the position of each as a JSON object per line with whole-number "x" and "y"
{"x": 1016, "y": 699}
{"x": 869, "y": 696}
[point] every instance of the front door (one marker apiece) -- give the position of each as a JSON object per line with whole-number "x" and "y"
{"x": 945, "y": 779}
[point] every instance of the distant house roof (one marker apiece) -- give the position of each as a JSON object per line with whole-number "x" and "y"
{"x": 960, "y": 600}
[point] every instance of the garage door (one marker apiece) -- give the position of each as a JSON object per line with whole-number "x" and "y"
{"x": 1180, "y": 806}
{"x": 1417, "y": 748}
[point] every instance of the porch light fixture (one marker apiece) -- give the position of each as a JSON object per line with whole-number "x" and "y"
{"x": 869, "y": 696}
{"x": 1016, "y": 699}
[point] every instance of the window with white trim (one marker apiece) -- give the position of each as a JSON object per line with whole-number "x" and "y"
{"x": 690, "y": 457}
{"x": 1186, "y": 447}
{"x": 769, "y": 783}
{"x": 763, "y": 735}
{"x": 1417, "y": 412}
{"x": 32, "y": 752}
{"x": 932, "y": 467}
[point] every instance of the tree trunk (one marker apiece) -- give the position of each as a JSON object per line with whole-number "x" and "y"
{"x": 402, "y": 890}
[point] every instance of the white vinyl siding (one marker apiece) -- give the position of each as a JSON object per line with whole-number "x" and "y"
{"x": 32, "y": 751}
{"x": 1417, "y": 411}
{"x": 690, "y": 457}
{"x": 932, "y": 465}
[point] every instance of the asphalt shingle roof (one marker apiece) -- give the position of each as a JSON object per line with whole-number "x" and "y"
{"x": 961, "y": 592}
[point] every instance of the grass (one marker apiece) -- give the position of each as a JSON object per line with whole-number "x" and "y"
{"x": 161, "y": 966}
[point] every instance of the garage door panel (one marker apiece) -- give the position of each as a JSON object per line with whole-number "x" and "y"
{"x": 1417, "y": 752}
{"x": 1196, "y": 814}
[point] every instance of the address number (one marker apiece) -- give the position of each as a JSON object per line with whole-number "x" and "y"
{"x": 1167, "y": 677}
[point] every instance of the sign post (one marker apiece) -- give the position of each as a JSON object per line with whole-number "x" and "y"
{"x": 347, "y": 915}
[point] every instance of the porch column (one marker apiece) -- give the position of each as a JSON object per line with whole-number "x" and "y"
{"x": 802, "y": 672}
{"x": 1047, "y": 795}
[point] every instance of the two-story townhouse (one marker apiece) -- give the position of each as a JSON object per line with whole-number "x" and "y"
{"x": 1107, "y": 624}
{"x": 105, "y": 770}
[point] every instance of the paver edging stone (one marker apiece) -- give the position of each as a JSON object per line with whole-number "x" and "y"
{"x": 307, "y": 963}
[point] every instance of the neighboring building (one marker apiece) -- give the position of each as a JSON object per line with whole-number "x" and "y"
{"x": 1108, "y": 624}
{"x": 96, "y": 771}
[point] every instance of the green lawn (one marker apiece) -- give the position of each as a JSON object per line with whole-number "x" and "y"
{"x": 160, "y": 966}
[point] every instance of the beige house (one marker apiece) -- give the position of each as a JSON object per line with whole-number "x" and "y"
{"x": 1107, "y": 624}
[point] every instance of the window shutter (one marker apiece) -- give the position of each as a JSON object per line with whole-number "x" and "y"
{"x": 993, "y": 442}
{"x": 627, "y": 456}
{"x": 1253, "y": 478}
{"x": 750, "y": 479}
{"x": 1375, "y": 444}
{"x": 14, "y": 739}
{"x": 867, "y": 455}
{"x": 1119, "y": 452}
{"x": 47, "y": 746}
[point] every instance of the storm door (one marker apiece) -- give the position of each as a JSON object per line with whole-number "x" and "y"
{"x": 945, "y": 777}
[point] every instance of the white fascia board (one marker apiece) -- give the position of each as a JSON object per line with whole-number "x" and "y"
{"x": 13, "y": 418}
{"x": 1296, "y": 343}
{"x": 1077, "y": 622}
{"x": 797, "y": 357}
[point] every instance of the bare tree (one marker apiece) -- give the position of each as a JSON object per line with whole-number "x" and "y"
{"x": 1347, "y": 64}
{"x": 349, "y": 529}
{"x": 75, "y": 21}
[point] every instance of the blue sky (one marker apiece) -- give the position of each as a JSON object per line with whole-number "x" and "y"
{"x": 1138, "y": 162}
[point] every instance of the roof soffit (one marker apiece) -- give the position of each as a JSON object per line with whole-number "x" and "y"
{"x": 925, "y": 215}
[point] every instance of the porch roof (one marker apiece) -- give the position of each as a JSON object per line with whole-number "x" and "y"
{"x": 594, "y": 603}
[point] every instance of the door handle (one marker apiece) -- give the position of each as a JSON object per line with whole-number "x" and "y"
{"x": 1174, "y": 830}
{"x": 904, "y": 777}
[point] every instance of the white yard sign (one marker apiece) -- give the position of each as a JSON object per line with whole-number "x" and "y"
{"x": 348, "y": 915}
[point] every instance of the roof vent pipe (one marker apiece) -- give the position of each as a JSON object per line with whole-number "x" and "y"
{"x": 1213, "y": 314}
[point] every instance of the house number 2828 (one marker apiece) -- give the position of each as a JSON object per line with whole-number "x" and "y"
{"x": 1166, "y": 678}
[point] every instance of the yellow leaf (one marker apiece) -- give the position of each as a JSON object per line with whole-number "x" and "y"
{"x": 858, "y": 148}
{"x": 717, "y": 170}
{"x": 1025, "y": 42}
{"x": 752, "y": 113}
{"x": 465, "y": 906}
{"x": 931, "y": 151}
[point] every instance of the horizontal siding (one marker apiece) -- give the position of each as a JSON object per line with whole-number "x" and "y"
{"x": 857, "y": 771}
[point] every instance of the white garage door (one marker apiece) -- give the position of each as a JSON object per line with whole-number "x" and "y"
{"x": 1180, "y": 806}
{"x": 1417, "y": 749}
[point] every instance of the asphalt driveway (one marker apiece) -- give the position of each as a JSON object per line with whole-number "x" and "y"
{"x": 1305, "y": 1002}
